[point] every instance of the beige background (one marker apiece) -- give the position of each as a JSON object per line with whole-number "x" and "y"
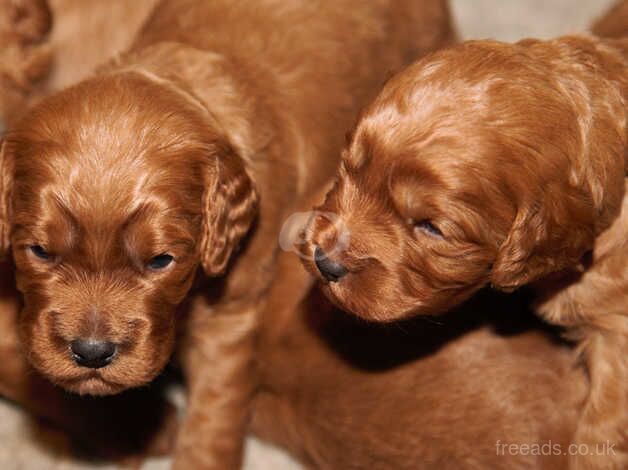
{"x": 499, "y": 19}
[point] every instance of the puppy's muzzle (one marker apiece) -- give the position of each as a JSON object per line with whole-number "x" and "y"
{"x": 329, "y": 269}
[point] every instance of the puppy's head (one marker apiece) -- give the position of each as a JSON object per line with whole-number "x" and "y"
{"x": 486, "y": 163}
{"x": 25, "y": 56}
{"x": 113, "y": 193}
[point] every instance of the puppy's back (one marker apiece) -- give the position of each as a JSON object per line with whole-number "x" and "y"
{"x": 341, "y": 396}
{"x": 317, "y": 62}
{"x": 87, "y": 33}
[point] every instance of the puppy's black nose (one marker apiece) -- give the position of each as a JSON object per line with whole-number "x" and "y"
{"x": 331, "y": 270}
{"x": 92, "y": 353}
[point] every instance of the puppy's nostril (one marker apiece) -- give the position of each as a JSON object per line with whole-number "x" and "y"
{"x": 331, "y": 270}
{"x": 92, "y": 353}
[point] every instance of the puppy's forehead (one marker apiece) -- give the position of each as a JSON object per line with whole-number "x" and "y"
{"x": 107, "y": 143}
{"x": 453, "y": 91}
{"x": 118, "y": 119}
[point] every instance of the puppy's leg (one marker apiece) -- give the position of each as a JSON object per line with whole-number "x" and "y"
{"x": 601, "y": 438}
{"x": 217, "y": 359}
{"x": 219, "y": 346}
{"x": 602, "y": 433}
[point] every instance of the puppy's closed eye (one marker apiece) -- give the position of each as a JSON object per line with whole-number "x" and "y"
{"x": 40, "y": 252}
{"x": 426, "y": 227}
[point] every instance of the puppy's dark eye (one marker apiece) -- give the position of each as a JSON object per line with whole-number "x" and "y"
{"x": 39, "y": 251}
{"x": 160, "y": 262}
{"x": 426, "y": 226}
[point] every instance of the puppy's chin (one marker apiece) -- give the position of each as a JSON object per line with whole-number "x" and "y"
{"x": 370, "y": 305}
{"x": 92, "y": 383}
{"x": 383, "y": 298}
{"x": 109, "y": 380}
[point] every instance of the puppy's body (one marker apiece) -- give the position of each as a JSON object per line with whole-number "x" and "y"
{"x": 501, "y": 164}
{"x": 460, "y": 408}
{"x": 342, "y": 394}
{"x": 215, "y": 122}
{"x": 85, "y": 34}
{"x": 593, "y": 303}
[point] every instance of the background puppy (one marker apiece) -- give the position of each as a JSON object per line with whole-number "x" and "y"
{"x": 116, "y": 190}
{"x": 51, "y": 44}
{"x": 339, "y": 393}
{"x": 24, "y": 56}
{"x": 499, "y": 164}
{"x": 614, "y": 23}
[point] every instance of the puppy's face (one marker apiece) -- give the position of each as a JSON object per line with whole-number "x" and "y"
{"x": 409, "y": 240}
{"x": 114, "y": 188}
{"x": 461, "y": 174}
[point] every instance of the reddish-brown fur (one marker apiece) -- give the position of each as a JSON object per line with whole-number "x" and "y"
{"x": 25, "y": 55}
{"x": 614, "y": 22}
{"x": 344, "y": 394}
{"x": 500, "y": 164}
{"x": 48, "y": 45}
{"x": 191, "y": 143}
{"x": 123, "y": 426}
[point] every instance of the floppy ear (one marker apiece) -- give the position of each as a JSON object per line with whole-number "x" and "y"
{"x": 547, "y": 235}
{"x": 5, "y": 197}
{"x": 229, "y": 209}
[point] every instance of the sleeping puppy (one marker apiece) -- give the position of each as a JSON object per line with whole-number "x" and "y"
{"x": 341, "y": 393}
{"x": 50, "y": 44}
{"x": 192, "y": 145}
{"x": 500, "y": 164}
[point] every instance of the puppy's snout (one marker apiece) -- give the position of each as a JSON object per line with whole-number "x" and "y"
{"x": 92, "y": 353}
{"x": 330, "y": 269}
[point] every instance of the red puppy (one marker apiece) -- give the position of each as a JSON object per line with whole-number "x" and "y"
{"x": 500, "y": 164}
